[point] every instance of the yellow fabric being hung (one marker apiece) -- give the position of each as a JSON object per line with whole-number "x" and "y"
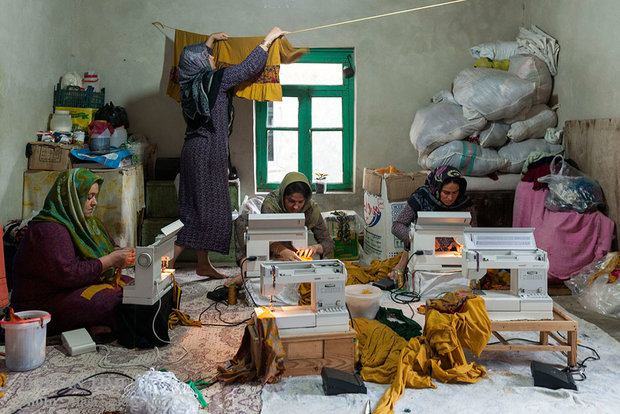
{"x": 264, "y": 87}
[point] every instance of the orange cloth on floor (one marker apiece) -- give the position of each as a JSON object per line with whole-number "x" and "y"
{"x": 264, "y": 87}
{"x": 388, "y": 358}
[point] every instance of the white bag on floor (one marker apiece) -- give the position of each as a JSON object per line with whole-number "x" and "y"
{"x": 492, "y": 93}
{"x": 471, "y": 159}
{"x": 517, "y": 152}
{"x": 494, "y": 135}
{"x": 539, "y": 118}
{"x": 533, "y": 69}
{"x": 440, "y": 123}
{"x": 497, "y": 50}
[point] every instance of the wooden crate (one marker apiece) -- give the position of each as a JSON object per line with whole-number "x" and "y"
{"x": 547, "y": 328}
{"x": 308, "y": 354}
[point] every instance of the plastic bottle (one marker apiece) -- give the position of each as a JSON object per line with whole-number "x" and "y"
{"x": 61, "y": 121}
{"x": 91, "y": 78}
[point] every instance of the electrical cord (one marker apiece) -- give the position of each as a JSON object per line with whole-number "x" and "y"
{"x": 224, "y": 323}
{"x": 244, "y": 277}
{"x": 71, "y": 391}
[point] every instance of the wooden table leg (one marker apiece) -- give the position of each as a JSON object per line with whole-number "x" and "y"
{"x": 572, "y": 354}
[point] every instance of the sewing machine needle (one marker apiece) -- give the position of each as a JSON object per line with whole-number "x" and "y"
{"x": 367, "y": 409}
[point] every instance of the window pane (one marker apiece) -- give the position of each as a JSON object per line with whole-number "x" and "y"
{"x": 284, "y": 113}
{"x": 285, "y": 152}
{"x": 327, "y": 112}
{"x": 327, "y": 155}
{"x": 311, "y": 74}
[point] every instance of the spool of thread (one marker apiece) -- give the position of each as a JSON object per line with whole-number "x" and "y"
{"x": 400, "y": 283}
{"x": 232, "y": 294}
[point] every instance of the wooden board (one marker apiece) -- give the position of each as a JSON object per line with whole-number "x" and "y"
{"x": 595, "y": 145}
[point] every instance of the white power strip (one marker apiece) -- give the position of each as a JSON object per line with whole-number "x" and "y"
{"x": 78, "y": 342}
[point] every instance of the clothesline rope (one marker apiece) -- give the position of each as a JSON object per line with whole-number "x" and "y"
{"x": 430, "y": 6}
{"x": 380, "y": 15}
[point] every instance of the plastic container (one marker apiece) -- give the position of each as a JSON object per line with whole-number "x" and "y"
{"x": 100, "y": 143}
{"x": 363, "y": 301}
{"x": 25, "y": 340}
{"x": 91, "y": 79}
{"x": 61, "y": 121}
{"x": 118, "y": 137}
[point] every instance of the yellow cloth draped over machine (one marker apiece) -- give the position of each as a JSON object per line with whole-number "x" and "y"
{"x": 264, "y": 87}
{"x": 438, "y": 353}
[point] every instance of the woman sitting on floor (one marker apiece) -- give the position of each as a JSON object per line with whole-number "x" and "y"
{"x": 293, "y": 196}
{"x": 67, "y": 261}
{"x": 443, "y": 190}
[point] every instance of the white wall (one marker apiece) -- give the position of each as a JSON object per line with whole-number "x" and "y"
{"x": 35, "y": 50}
{"x": 401, "y": 61}
{"x": 588, "y": 32}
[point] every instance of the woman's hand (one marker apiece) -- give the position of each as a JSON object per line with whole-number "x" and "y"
{"x": 315, "y": 249}
{"x": 273, "y": 34}
{"x": 215, "y": 36}
{"x": 219, "y": 36}
{"x": 289, "y": 256}
{"x": 118, "y": 258}
{"x": 400, "y": 266}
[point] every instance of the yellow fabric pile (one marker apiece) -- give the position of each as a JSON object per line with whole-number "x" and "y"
{"x": 388, "y": 358}
{"x": 264, "y": 87}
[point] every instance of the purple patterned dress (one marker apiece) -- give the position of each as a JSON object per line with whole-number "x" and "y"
{"x": 49, "y": 275}
{"x": 204, "y": 198}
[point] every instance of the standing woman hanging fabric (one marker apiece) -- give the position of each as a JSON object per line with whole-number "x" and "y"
{"x": 204, "y": 199}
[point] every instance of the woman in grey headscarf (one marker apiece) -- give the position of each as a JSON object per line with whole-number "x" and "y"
{"x": 204, "y": 200}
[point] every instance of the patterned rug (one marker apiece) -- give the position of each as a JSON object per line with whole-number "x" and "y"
{"x": 194, "y": 353}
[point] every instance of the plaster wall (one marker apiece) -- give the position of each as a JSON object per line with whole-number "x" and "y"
{"x": 35, "y": 50}
{"x": 586, "y": 85}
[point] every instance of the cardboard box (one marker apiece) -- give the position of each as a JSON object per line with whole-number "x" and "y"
{"x": 50, "y": 156}
{"x": 384, "y": 197}
{"x": 80, "y": 117}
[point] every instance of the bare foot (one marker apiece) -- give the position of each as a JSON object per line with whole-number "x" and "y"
{"x": 236, "y": 280}
{"x": 211, "y": 273}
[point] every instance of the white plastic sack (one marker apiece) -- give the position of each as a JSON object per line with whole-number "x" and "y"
{"x": 494, "y": 135}
{"x": 443, "y": 96}
{"x": 471, "y": 159}
{"x": 517, "y": 152}
{"x": 592, "y": 286}
{"x": 494, "y": 50}
{"x": 440, "y": 123}
{"x": 492, "y": 93}
{"x": 539, "y": 43}
{"x": 539, "y": 118}
{"x": 533, "y": 69}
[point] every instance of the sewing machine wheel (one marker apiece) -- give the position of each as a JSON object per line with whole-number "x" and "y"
{"x": 144, "y": 260}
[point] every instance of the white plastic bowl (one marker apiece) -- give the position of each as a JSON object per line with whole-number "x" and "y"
{"x": 363, "y": 300}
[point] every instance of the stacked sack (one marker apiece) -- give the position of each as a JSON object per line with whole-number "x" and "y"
{"x": 496, "y": 114}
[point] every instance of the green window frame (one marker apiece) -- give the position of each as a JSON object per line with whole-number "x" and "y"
{"x": 305, "y": 93}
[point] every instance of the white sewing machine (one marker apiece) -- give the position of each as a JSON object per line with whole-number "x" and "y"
{"x": 434, "y": 229}
{"x": 327, "y": 311}
{"x": 151, "y": 281}
{"x": 264, "y": 229}
{"x": 514, "y": 249}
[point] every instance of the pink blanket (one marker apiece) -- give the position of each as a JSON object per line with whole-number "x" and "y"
{"x": 571, "y": 240}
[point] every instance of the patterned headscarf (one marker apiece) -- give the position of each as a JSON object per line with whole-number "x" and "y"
{"x": 195, "y": 72}
{"x": 275, "y": 199}
{"x": 428, "y": 197}
{"x": 64, "y": 204}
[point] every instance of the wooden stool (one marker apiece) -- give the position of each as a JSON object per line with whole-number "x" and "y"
{"x": 560, "y": 322}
